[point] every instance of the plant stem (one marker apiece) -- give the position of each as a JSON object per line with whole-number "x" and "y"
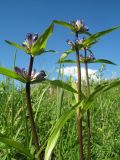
{"x": 29, "y": 106}
{"x": 79, "y": 115}
{"x": 88, "y": 111}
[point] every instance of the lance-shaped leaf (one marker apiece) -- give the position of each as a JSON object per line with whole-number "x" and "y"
{"x": 18, "y": 146}
{"x": 65, "y": 54}
{"x": 56, "y": 130}
{"x": 61, "y": 84}
{"x": 64, "y": 24}
{"x": 99, "y": 89}
{"x": 89, "y": 45}
{"x": 52, "y": 51}
{"x": 40, "y": 44}
{"x": 93, "y": 39}
{"x": 85, "y": 104}
{"x": 41, "y": 51}
{"x": 17, "y": 46}
{"x": 69, "y": 26}
{"x": 98, "y": 35}
{"x": 88, "y": 61}
{"x": 11, "y": 74}
{"x": 66, "y": 61}
{"x": 101, "y": 61}
{"x": 112, "y": 85}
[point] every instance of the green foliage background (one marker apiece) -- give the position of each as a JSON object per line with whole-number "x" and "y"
{"x": 105, "y": 120}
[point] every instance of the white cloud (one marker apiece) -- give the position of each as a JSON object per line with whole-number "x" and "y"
{"x": 72, "y": 71}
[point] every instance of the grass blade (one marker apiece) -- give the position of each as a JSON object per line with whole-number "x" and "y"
{"x": 16, "y": 145}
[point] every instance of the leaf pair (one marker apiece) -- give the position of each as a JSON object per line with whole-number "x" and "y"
{"x": 69, "y": 26}
{"x": 88, "y": 61}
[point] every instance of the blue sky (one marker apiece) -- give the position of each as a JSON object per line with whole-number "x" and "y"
{"x": 20, "y": 17}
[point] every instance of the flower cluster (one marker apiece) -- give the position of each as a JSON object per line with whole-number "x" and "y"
{"x": 76, "y": 43}
{"x": 35, "y": 76}
{"x": 30, "y": 41}
{"x": 79, "y": 26}
{"x": 87, "y": 58}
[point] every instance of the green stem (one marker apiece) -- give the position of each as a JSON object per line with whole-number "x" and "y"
{"x": 29, "y": 106}
{"x": 88, "y": 111}
{"x": 12, "y": 110}
{"x": 79, "y": 115}
{"x": 13, "y": 94}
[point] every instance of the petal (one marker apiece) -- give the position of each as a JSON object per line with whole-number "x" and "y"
{"x": 79, "y": 23}
{"x": 21, "y": 72}
{"x": 29, "y": 36}
{"x": 18, "y": 70}
{"x": 35, "y": 37}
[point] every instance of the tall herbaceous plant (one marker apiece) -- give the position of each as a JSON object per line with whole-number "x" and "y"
{"x": 35, "y": 45}
{"x": 81, "y": 46}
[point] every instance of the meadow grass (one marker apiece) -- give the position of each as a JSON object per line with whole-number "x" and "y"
{"x": 49, "y": 104}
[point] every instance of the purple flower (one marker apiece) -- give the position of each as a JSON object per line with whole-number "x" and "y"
{"x": 76, "y": 43}
{"x": 30, "y": 40}
{"x": 21, "y": 72}
{"x": 79, "y": 41}
{"x": 79, "y": 26}
{"x": 38, "y": 76}
{"x": 35, "y": 76}
{"x": 87, "y": 58}
{"x": 91, "y": 56}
